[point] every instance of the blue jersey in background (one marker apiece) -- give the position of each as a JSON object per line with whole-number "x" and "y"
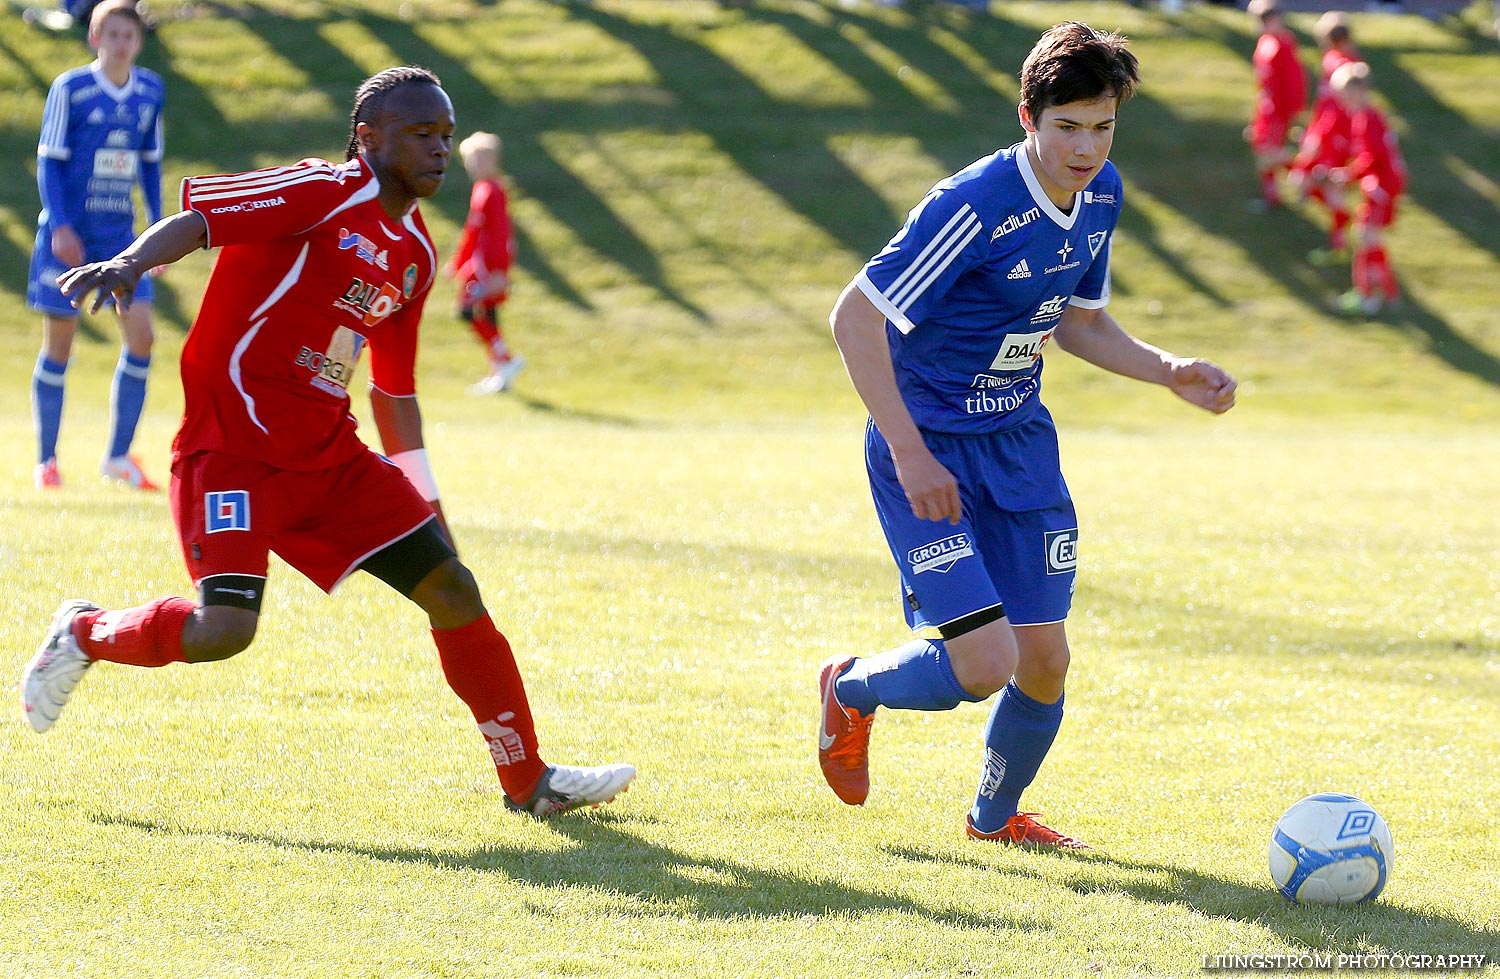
{"x": 98, "y": 141}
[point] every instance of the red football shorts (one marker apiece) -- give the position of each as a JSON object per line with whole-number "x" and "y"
{"x": 1268, "y": 132}
{"x": 231, "y": 512}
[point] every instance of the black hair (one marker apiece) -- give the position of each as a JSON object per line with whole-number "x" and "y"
{"x": 370, "y": 97}
{"x": 1075, "y": 63}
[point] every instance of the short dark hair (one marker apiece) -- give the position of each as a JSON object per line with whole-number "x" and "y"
{"x": 370, "y": 97}
{"x": 1075, "y": 63}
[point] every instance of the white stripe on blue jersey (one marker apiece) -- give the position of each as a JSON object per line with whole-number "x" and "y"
{"x": 976, "y": 282}
{"x": 934, "y": 267}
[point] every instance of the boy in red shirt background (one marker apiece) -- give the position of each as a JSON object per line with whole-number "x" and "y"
{"x": 483, "y": 258}
{"x": 1325, "y": 144}
{"x": 1376, "y": 166}
{"x": 1282, "y": 97}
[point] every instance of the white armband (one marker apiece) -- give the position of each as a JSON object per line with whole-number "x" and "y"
{"x": 418, "y": 470}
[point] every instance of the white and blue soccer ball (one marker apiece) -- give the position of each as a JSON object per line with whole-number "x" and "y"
{"x": 1331, "y": 848}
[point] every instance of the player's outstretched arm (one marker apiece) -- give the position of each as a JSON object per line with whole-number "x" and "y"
{"x": 1094, "y": 336}
{"x": 165, "y": 242}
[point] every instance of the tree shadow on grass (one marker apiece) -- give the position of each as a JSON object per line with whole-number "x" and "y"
{"x": 1353, "y": 930}
{"x": 607, "y": 857}
{"x": 1443, "y": 342}
{"x": 555, "y": 409}
{"x": 541, "y": 172}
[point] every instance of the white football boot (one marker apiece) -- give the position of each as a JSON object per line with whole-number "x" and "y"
{"x": 565, "y": 787}
{"x": 56, "y": 668}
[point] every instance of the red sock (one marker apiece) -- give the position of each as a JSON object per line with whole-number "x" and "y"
{"x": 1337, "y": 235}
{"x": 480, "y": 668}
{"x": 147, "y": 635}
{"x": 1362, "y": 270}
{"x": 1268, "y": 188}
{"x": 486, "y": 331}
{"x": 1380, "y": 269}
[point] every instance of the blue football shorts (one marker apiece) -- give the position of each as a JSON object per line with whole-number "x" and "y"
{"x": 1014, "y": 552}
{"x": 42, "y": 293}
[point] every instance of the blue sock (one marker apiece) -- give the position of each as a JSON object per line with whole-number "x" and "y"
{"x": 47, "y": 382}
{"x": 916, "y": 676}
{"x": 127, "y": 396}
{"x": 1016, "y": 740}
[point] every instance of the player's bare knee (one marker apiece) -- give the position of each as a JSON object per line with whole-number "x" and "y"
{"x": 449, "y": 595}
{"x": 983, "y": 660}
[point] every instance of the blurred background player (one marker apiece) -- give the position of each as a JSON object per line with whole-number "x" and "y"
{"x": 1325, "y": 144}
{"x": 1376, "y": 166}
{"x": 101, "y": 136}
{"x": 317, "y": 263}
{"x": 942, "y": 334}
{"x": 1281, "y": 96}
{"x": 482, "y": 261}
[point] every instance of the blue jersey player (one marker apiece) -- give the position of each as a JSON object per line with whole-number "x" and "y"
{"x": 942, "y": 334}
{"x": 101, "y": 136}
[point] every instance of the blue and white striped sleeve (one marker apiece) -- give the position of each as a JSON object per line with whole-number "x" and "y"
{"x": 54, "y": 141}
{"x": 943, "y": 238}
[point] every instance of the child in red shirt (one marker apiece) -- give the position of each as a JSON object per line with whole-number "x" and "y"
{"x": 483, "y": 259}
{"x": 1282, "y": 97}
{"x": 1376, "y": 166}
{"x": 1325, "y": 144}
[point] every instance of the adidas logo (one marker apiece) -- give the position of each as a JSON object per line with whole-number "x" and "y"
{"x": 1021, "y": 271}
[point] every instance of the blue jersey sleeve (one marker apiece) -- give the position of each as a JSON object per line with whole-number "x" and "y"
{"x": 54, "y": 141}
{"x": 50, "y": 181}
{"x": 943, "y": 238}
{"x": 150, "y": 174}
{"x": 1093, "y": 290}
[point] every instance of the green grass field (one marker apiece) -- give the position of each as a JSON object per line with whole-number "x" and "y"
{"x": 670, "y": 521}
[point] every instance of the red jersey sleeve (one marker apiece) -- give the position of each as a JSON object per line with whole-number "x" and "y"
{"x": 497, "y": 245}
{"x": 1279, "y": 73}
{"x": 262, "y": 205}
{"x": 1376, "y": 153}
{"x": 393, "y": 352}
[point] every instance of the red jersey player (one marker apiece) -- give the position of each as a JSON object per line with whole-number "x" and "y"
{"x": 1325, "y": 143}
{"x": 1376, "y": 166}
{"x": 1282, "y": 96}
{"x": 318, "y": 262}
{"x": 483, "y": 258}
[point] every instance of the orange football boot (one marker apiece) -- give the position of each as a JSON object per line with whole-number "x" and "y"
{"x": 1022, "y": 829}
{"x": 843, "y": 738}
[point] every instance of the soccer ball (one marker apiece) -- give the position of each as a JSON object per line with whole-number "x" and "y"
{"x": 1330, "y": 848}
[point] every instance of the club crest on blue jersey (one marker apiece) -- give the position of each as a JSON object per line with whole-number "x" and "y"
{"x": 940, "y": 555}
{"x": 226, "y": 510}
{"x": 1062, "y": 550}
{"x": 1096, "y": 242}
